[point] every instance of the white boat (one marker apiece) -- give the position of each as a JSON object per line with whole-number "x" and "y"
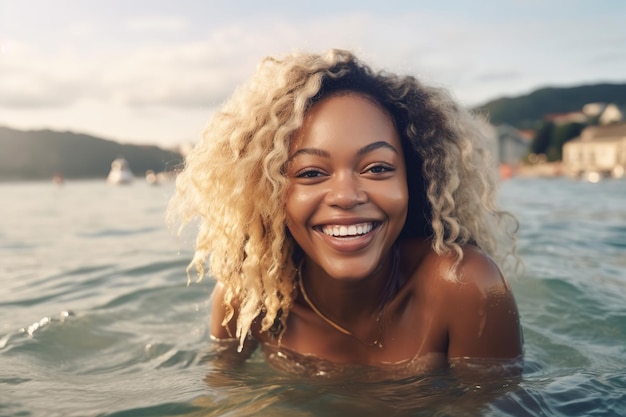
{"x": 120, "y": 172}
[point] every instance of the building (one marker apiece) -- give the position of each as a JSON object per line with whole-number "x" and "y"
{"x": 513, "y": 145}
{"x": 611, "y": 114}
{"x": 605, "y": 113}
{"x": 507, "y": 148}
{"x": 599, "y": 150}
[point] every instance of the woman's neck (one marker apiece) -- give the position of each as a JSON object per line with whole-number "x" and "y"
{"x": 353, "y": 300}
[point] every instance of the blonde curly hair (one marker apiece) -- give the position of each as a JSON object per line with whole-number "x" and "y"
{"x": 234, "y": 180}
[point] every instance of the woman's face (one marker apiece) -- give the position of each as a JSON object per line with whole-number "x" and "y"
{"x": 347, "y": 199}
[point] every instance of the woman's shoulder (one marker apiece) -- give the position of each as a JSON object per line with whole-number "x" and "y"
{"x": 474, "y": 282}
{"x": 475, "y": 269}
{"x": 472, "y": 300}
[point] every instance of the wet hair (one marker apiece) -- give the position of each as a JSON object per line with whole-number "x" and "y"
{"x": 234, "y": 180}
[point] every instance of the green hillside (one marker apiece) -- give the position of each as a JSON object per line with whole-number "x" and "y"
{"x": 30, "y": 155}
{"x": 528, "y": 111}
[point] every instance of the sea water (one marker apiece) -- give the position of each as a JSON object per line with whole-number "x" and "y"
{"x": 97, "y": 319}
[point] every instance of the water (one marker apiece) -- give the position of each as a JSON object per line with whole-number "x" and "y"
{"x": 96, "y": 318}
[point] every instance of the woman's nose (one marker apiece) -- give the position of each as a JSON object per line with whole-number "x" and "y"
{"x": 345, "y": 191}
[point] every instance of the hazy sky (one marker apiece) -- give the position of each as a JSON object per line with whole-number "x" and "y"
{"x": 150, "y": 71}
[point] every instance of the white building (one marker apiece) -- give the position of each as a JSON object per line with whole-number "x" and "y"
{"x": 599, "y": 150}
{"x": 605, "y": 113}
{"x": 611, "y": 114}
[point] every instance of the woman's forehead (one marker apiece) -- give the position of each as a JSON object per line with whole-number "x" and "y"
{"x": 348, "y": 116}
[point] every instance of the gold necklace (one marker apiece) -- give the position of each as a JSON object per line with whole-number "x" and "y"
{"x": 379, "y": 319}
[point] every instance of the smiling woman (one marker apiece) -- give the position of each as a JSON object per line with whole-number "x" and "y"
{"x": 349, "y": 217}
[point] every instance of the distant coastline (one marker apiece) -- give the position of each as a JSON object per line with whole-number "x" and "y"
{"x": 48, "y": 154}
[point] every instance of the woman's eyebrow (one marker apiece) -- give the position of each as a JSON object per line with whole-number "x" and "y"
{"x": 324, "y": 154}
{"x": 310, "y": 151}
{"x": 376, "y": 145}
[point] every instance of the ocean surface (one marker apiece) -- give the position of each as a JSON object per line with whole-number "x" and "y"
{"x": 97, "y": 319}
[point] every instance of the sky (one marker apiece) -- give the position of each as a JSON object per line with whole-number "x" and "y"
{"x": 153, "y": 71}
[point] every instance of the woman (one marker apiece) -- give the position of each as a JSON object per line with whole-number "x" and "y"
{"x": 349, "y": 216}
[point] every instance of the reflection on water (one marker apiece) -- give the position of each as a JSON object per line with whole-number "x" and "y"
{"x": 309, "y": 386}
{"x": 310, "y": 366}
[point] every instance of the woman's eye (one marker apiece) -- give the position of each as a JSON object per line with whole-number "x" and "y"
{"x": 310, "y": 173}
{"x": 380, "y": 169}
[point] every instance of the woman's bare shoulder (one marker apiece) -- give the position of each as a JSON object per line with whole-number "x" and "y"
{"x": 474, "y": 302}
{"x": 480, "y": 270}
{"x": 476, "y": 268}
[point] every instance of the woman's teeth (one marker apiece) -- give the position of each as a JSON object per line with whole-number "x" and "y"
{"x": 352, "y": 230}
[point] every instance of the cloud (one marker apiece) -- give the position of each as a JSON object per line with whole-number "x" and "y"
{"x": 474, "y": 61}
{"x": 26, "y": 91}
{"x": 159, "y": 78}
{"x": 167, "y": 24}
{"x": 30, "y": 79}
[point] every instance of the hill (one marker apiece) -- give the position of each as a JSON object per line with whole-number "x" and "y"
{"x": 39, "y": 154}
{"x": 528, "y": 111}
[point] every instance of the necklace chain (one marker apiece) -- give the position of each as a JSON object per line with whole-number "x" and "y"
{"x": 387, "y": 293}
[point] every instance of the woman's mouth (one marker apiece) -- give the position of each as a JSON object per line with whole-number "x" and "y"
{"x": 351, "y": 230}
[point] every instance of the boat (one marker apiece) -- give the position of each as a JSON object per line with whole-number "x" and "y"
{"x": 120, "y": 172}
